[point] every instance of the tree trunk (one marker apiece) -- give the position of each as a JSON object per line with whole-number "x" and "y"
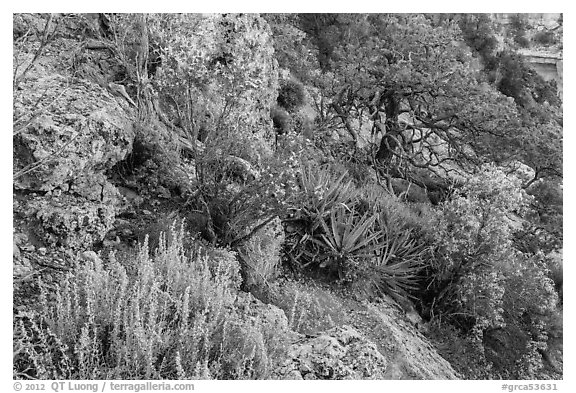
{"x": 346, "y": 121}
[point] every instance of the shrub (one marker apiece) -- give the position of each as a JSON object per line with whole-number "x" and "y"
{"x": 498, "y": 297}
{"x": 291, "y": 96}
{"x": 281, "y": 120}
{"x": 174, "y": 317}
{"x": 545, "y": 38}
{"x": 518, "y": 25}
{"x": 261, "y": 254}
{"x": 478, "y": 32}
{"x": 474, "y": 242}
{"x": 238, "y": 191}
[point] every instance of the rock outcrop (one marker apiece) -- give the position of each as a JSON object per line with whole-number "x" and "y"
{"x": 340, "y": 337}
{"x": 80, "y": 132}
{"x": 61, "y": 155}
{"x": 340, "y": 353}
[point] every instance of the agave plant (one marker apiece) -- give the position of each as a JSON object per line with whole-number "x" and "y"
{"x": 323, "y": 190}
{"x": 347, "y": 240}
{"x": 395, "y": 269}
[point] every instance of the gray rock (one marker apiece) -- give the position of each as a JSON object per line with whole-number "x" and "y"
{"x": 84, "y": 133}
{"x": 340, "y": 353}
{"x": 75, "y": 223}
{"x": 91, "y": 256}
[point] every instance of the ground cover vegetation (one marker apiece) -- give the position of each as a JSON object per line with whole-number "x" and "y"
{"x": 368, "y": 152}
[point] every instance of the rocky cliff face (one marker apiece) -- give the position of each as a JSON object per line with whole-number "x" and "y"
{"x": 549, "y": 65}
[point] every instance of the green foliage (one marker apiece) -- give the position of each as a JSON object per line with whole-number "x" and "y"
{"x": 395, "y": 271}
{"x": 239, "y": 192}
{"x": 281, "y": 120}
{"x": 530, "y": 312}
{"x": 261, "y": 257}
{"x": 173, "y": 315}
{"x": 309, "y": 308}
{"x": 346, "y": 240}
{"x": 544, "y": 231}
{"x": 217, "y": 72}
{"x": 474, "y": 243}
{"x": 289, "y": 48}
{"x": 486, "y": 264}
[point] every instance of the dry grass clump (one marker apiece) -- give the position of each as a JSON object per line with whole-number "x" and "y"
{"x": 173, "y": 315}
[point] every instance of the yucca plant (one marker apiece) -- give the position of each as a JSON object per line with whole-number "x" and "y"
{"x": 348, "y": 239}
{"x": 399, "y": 260}
{"x": 340, "y": 241}
{"x": 323, "y": 190}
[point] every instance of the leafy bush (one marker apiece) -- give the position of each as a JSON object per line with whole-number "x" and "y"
{"x": 291, "y": 95}
{"x": 474, "y": 242}
{"x": 518, "y": 26}
{"x": 545, "y": 38}
{"x": 478, "y": 32}
{"x": 175, "y": 316}
{"x": 231, "y": 190}
{"x": 261, "y": 256}
{"x": 498, "y": 297}
{"x": 281, "y": 120}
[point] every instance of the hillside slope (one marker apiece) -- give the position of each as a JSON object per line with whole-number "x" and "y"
{"x": 90, "y": 178}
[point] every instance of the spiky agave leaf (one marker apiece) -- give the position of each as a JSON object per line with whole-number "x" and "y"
{"x": 399, "y": 260}
{"x": 325, "y": 190}
{"x": 348, "y": 237}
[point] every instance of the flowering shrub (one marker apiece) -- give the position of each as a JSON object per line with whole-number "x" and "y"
{"x": 217, "y": 72}
{"x": 474, "y": 243}
{"x": 499, "y": 297}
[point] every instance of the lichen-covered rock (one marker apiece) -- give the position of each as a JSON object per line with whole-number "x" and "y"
{"x": 340, "y": 353}
{"x": 67, "y": 130}
{"x": 71, "y": 222}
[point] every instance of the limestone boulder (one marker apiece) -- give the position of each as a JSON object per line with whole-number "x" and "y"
{"x": 67, "y": 221}
{"x": 66, "y": 133}
{"x": 339, "y": 353}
